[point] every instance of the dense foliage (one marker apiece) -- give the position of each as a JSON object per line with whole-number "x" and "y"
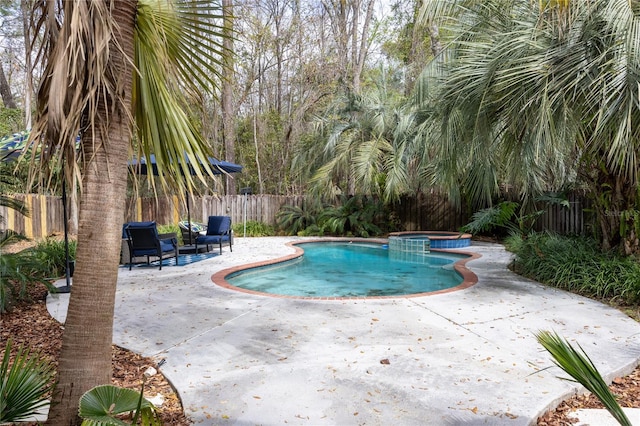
{"x": 20, "y": 271}
{"x": 535, "y": 96}
{"x": 253, "y": 228}
{"x": 356, "y": 216}
{"x": 578, "y": 265}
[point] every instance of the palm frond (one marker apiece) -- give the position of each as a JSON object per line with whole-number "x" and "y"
{"x": 579, "y": 366}
{"x": 175, "y": 65}
{"x": 79, "y": 74}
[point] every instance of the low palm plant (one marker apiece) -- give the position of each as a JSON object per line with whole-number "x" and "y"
{"x": 295, "y": 219}
{"x": 500, "y": 216}
{"x": 354, "y": 216}
{"x": 104, "y": 406}
{"x": 579, "y": 366}
{"x": 24, "y": 385}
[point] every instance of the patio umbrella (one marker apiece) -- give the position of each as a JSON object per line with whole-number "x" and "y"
{"x": 11, "y": 146}
{"x": 148, "y": 166}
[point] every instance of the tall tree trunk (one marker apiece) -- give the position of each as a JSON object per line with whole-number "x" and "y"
{"x": 434, "y": 36}
{"x": 5, "y": 91}
{"x": 28, "y": 66}
{"x": 228, "y": 79}
{"x": 616, "y": 206}
{"x": 255, "y": 141}
{"x": 85, "y": 358}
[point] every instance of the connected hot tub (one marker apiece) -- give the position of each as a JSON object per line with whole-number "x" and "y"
{"x": 423, "y": 241}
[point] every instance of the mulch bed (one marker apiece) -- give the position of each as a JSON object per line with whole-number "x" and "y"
{"x": 31, "y": 325}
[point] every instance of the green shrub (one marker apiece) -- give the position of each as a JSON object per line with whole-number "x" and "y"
{"x": 254, "y": 229}
{"x": 51, "y": 255}
{"x": 353, "y": 217}
{"x": 171, "y": 229}
{"x": 19, "y": 272}
{"x": 295, "y": 219}
{"x": 576, "y": 264}
{"x": 513, "y": 243}
{"x": 500, "y": 216}
{"x": 511, "y": 218}
{"x": 167, "y": 229}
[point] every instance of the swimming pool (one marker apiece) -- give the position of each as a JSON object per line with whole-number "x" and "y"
{"x": 352, "y": 269}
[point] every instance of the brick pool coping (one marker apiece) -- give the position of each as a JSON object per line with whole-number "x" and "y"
{"x": 468, "y": 277}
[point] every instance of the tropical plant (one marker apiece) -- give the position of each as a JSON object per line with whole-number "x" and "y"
{"x": 108, "y": 63}
{"x": 51, "y": 254}
{"x": 171, "y": 228}
{"x": 16, "y": 269}
{"x": 578, "y": 365}
{"x": 295, "y": 219}
{"x": 18, "y": 272}
{"x": 498, "y": 216}
{"x": 511, "y": 216}
{"x": 104, "y": 405}
{"x": 353, "y": 216}
{"x": 535, "y": 95}
{"x": 358, "y": 151}
{"x": 24, "y": 384}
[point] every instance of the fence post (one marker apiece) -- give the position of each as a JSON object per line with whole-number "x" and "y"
{"x": 42, "y": 200}
{"x": 28, "y": 221}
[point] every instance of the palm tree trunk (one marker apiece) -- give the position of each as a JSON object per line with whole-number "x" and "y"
{"x": 85, "y": 359}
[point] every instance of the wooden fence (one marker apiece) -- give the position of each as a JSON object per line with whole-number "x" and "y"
{"x": 419, "y": 212}
{"x": 429, "y": 212}
{"x": 260, "y": 208}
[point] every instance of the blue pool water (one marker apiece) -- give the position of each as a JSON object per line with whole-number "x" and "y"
{"x": 352, "y": 270}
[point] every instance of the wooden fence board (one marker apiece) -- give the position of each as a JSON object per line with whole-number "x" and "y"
{"x": 428, "y": 211}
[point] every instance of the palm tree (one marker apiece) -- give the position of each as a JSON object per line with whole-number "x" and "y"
{"x": 115, "y": 68}
{"x": 358, "y": 149}
{"x": 536, "y": 95}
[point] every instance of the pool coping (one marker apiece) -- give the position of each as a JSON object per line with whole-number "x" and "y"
{"x": 435, "y": 235}
{"x": 469, "y": 278}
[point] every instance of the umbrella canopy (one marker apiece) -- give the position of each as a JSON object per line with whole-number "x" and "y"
{"x": 218, "y": 167}
{"x": 11, "y": 146}
{"x": 146, "y": 166}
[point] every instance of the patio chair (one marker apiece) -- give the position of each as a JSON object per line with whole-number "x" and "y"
{"x": 143, "y": 240}
{"x": 218, "y": 232}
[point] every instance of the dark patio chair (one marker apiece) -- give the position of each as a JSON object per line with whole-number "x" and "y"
{"x": 144, "y": 240}
{"x": 218, "y": 232}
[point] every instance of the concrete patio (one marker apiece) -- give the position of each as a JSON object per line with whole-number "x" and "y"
{"x": 467, "y": 357}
